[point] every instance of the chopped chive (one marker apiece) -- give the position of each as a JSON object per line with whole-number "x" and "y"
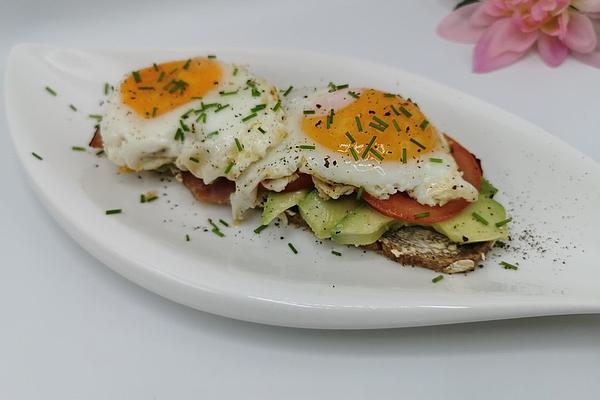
{"x": 72, "y": 107}
{"x": 417, "y": 143}
{"x": 404, "y": 159}
{"x": 235, "y": 70}
{"x": 211, "y": 56}
{"x": 436, "y": 160}
{"x": 173, "y": 71}
{"x": 368, "y": 148}
{"x": 394, "y": 109}
{"x": 287, "y": 91}
{"x": 151, "y": 198}
{"x": 205, "y": 106}
{"x": 248, "y": 117}
{"x": 389, "y": 95}
{"x": 221, "y": 107}
{"x": 405, "y": 112}
{"x": 336, "y": 253}
{"x": 437, "y": 278}
{"x": 179, "y": 134}
{"x": 214, "y": 133}
{"x": 224, "y": 222}
{"x": 359, "y": 193}
{"x": 376, "y": 154}
{"x": 223, "y": 93}
{"x": 276, "y": 106}
{"x": 96, "y": 117}
{"x": 291, "y": 246}
{"x": 354, "y": 153}
{"x": 187, "y": 238}
{"x": 421, "y": 215}
{"x": 306, "y": 147}
{"x": 358, "y": 123}
{"x": 396, "y": 126}
{"x": 187, "y": 63}
{"x": 261, "y": 130}
{"x": 229, "y": 166}
{"x": 306, "y": 112}
{"x": 99, "y": 153}
{"x": 77, "y": 148}
{"x": 353, "y": 94}
{"x": 142, "y": 198}
{"x": 380, "y": 121}
{"x": 503, "y": 222}
{"x": 211, "y": 222}
{"x": 106, "y": 88}
{"x": 51, "y": 91}
{"x": 479, "y": 218}
{"x": 239, "y": 146}
{"x": 380, "y": 128}
{"x": 506, "y": 265}
{"x": 349, "y": 136}
{"x": 145, "y": 87}
{"x": 155, "y": 66}
{"x": 343, "y": 86}
{"x": 113, "y": 211}
{"x": 184, "y": 126}
{"x": 201, "y": 117}
{"x": 424, "y": 124}
{"x": 255, "y": 92}
{"x": 259, "y": 229}
{"x": 258, "y": 107}
{"x": 36, "y": 156}
{"x": 136, "y": 76}
{"x": 194, "y": 159}
{"x": 154, "y": 110}
{"x": 217, "y": 232}
{"x": 161, "y": 76}
{"x": 330, "y": 118}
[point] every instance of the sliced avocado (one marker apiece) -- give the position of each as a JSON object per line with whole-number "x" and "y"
{"x": 322, "y": 215}
{"x": 279, "y": 202}
{"x": 361, "y": 226}
{"x": 476, "y": 223}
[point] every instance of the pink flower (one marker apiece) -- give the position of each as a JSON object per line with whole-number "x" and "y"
{"x": 506, "y": 30}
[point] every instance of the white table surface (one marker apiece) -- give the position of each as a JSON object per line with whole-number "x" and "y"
{"x": 72, "y": 329}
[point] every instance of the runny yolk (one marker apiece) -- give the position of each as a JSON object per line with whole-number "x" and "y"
{"x": 158, "y": 89}
{"x": 377, "y": 126}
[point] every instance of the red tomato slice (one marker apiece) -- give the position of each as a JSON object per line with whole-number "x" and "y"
{"x": 304, "y": 181}
{"x": 403, "y": 207}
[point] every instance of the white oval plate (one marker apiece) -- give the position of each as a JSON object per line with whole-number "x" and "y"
{"x": 551, "y": 190}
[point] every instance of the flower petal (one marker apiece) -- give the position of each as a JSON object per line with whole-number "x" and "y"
{"x": 502, "y": 44}
{"x": 457, "y": 28}
{"x": 580, "y": 36}
{"x": 592, "y": 58}
{"x": 552, "y": 50}
{"x": 587, "y": 5}
{"x": 484, "y": 16}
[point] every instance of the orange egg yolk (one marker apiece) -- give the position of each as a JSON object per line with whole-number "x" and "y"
{"x": 158, "y": 89}
{"x": 377, "y": 126}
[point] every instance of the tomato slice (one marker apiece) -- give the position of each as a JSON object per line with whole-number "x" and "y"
{"x": 405, "y": 208}
{"x": 304, "y": 181}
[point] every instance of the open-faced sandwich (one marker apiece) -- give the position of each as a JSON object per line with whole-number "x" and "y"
{"x": 360, "y": 166}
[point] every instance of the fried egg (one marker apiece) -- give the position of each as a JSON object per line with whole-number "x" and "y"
{"x": 202, "y": 115}
{"x": 361, "y": 138}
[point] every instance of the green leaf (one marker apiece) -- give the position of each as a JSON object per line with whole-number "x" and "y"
{"x": 465, "y": 3}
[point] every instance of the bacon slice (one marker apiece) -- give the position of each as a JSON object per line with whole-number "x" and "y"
{"x": 217, "y": 192}
{"x": 96, "y": 141}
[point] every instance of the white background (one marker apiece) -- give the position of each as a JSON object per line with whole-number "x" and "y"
{"x": 72, "y": 329}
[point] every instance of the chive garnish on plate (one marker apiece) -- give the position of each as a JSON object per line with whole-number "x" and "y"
{"x": 421, "y": 215}
{"x": 394, "y": 109}
{"x": 51, "y": 91}
{"x": 377, "y": 126}
{"x": 306, "y": 147}
{"x": 350, "y": 137}
{"x": 396, "y": 126}
{"x": 376, "y": 154}
{"x": 72, "y": 107}
{"x": 239, "y": 145}
{"x": 194, "y": 159}
{"x": 437, "y": 278}
{"x": 77, "y": 148}
{"x": 506, "y": 265}
{"x": 358, "y": 123}
{"x": 221, "y": 107}
{"x": 423, "y": 125}
{"x": 187, "y": 63}
{"x": 229, "y": 166}
{"x": 354, "y": 153}
{"x": 336, "y": 253}
{"x": 258, "y": 107}
{"x": 179, "y": 135}
{"x": 380, "y": 121}
{"x": 230, "y": 93}
{"x": 368, "y": 148}
{"x": 353, "y": 94}
{"x": 136, "y": 76}
{"x": 96, "y": 117}
{"x": 225, "y": 223}
{"x": 436, "y": 160}
{"x": 413, "y": 140}
{"x": 307, "y": 112}
{"x": 36, "y": 155}
{"x": 287, "y": 91}
{"x": 404, "y": 158}
{"x": 260, "y": 228}
{"x": 291, "y": 246}
{"x": 248, "y": 117}
{"x": 405, "y": 112}
{"x": 276, "y": 106}
{"x": 113, "y": 211}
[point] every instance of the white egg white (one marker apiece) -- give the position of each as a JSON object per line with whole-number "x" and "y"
{"x": 430, "y": 183}
{"x": 209, "y": 148}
